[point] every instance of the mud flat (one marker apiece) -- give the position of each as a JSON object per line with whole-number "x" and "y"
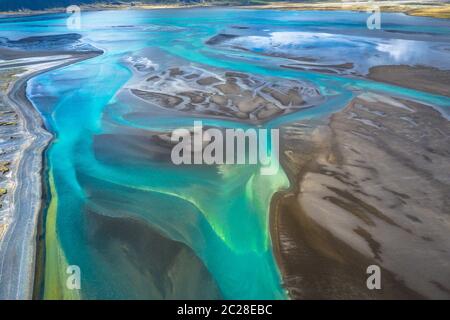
{"x": 229, "y": 95}
{"x": 370, "y": 186}
{"x": 416, "y": 77}
{"x": 23, "y": 140}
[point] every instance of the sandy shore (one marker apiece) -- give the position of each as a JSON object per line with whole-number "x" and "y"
{"x": 20, "y": 217}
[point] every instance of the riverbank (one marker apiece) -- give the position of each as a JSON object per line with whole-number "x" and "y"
{"x": 369, "y": 187}
{"x": 24, "y": 153}
{"x": 434, "y": 9}
{"x": 420, "y": 78}
{"x": 103, "y": 6}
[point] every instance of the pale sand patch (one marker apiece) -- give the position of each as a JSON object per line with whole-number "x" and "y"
{"x": 421, "y": 78}
{"x": 3, "y": 229}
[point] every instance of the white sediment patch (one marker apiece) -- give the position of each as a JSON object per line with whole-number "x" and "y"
{"x": 374, "y": 97}
{"x": 410, "y": 121}
{"x": 336, "y": 220}
{"x": 142, "y": 64}
{"x": 375, "y": 112}
{"x": 368, "y": 122}
{"x": 34, "y": 60}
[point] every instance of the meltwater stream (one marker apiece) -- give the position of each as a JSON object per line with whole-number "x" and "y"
{"x": 147, "y": 229}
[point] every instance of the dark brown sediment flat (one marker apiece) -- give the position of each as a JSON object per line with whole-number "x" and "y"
{"x": 421, "y": 78}
{"x": 369, "y": 187}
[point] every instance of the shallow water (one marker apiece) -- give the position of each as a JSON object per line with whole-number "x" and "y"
{"x": 218, "y": 214}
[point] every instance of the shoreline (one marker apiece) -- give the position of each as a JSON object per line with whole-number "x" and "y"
{"x": 103, "y": 7}
{"x": 27, "y": 201}
{"x": 426, "y": 79}
{"x": 431, "y": 9}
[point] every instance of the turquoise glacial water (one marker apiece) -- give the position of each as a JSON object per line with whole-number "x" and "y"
{"x": 221, "y": 214}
